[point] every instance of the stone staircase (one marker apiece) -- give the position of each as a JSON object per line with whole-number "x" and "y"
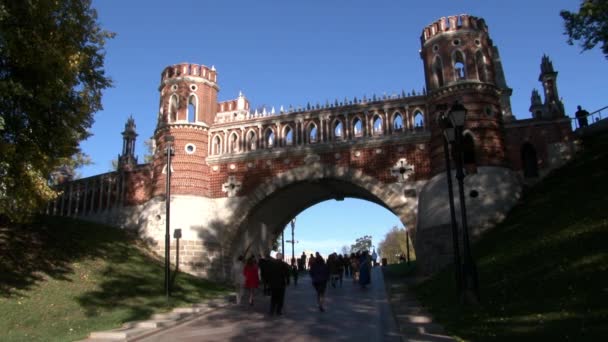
{"x": 132, "y": 331}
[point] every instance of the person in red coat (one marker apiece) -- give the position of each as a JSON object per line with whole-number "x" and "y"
{"x": 252, "y": 280}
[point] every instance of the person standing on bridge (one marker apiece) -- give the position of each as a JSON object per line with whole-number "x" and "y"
{"x": 581, "y": 116}
{"x": 319, "y": 272}
{"x": 278, "y": 279}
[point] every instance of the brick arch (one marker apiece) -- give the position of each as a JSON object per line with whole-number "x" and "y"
{"x": 268, "y": 209}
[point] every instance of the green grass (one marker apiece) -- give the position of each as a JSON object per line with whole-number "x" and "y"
{"x": 543, "y": 272}
{"x": 62, "y": 279}
{"x": 396, "y": 271}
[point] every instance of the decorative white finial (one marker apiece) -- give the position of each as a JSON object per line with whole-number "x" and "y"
{"x": 281, "y": 110}
{"x": 240, "y": 93}
{"x": 213, "y": 68}
{"x": 272, "y": 110}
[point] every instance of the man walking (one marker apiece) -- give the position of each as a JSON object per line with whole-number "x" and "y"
{"x": 278, "y": 278}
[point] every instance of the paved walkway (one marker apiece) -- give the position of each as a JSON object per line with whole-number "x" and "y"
{"x": 352, "y": 314}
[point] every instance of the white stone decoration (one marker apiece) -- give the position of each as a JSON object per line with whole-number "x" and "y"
{"x": 378, "y": 150}
{"x": 215, "y": 168}
{"x": 232, "y": 166}
{"x": 337, "y": 156}
{"x": 268, "y": 162}
{"x": 232, "y": 186}
{"x": 402, "y": 170}
{"x": 358, "y": 154}
{"x": 250, "y": 165}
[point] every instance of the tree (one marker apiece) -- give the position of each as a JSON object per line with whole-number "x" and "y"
{"x": 363, "y": 243}
{"x": 394, "y": 244}
{"x": 589, "y": 26}
{"x": 68, "y": 171}
{"x": 51, "y": 81}
{"x": 345, "y": 250}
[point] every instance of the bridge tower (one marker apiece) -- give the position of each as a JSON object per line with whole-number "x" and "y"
{"x": 188, "y": 105}
{"x": 461, "y": 64}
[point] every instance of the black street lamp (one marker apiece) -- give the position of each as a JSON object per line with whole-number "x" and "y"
{"x": 457, "y": 115}
{"x": 168, "y": 152}
{"x": 448, "y": 138}
{"x": 407, "y": 246}
{"x": 293, "y": 227}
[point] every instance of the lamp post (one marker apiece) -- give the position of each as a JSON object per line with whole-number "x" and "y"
{"x": 457, "y": 116}
{"x": 407, "y": 246}
{"x": 293, "y": 227}
{"x": 168, "y": 152}
{"x": 448, "y": 138}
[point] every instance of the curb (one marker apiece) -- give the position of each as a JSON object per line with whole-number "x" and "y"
{"x": 132, "y": 331}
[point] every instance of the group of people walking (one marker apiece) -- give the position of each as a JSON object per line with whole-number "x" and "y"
{"x": 274, "y": 275}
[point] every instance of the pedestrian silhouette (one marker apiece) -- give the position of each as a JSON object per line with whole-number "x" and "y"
{"x": 581, "y": 116}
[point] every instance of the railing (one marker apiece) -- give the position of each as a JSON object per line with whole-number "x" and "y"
{"x": 591, "y": 119}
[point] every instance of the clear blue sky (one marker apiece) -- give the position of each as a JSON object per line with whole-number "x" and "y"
{"x": 294, "y": 52}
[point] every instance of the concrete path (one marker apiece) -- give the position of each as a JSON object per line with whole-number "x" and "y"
{"x": 352, "y": 314}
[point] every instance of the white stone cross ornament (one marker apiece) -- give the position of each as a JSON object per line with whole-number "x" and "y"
{"x": 402, "y": 170}
{"x": 231, "y": 187}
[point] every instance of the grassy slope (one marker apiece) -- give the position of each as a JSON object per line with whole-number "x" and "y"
{"x": 61, "y": 279}
{"x": 543, "y": 272}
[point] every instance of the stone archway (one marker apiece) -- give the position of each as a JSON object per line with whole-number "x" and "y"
{"x": 268, "y": 210}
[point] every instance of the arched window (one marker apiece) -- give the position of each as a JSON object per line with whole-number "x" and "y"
{"x": 312, "y": 133}
{"x": 173, "y": 105}
{"x": 482, "y": 71}
{"x": 418, "y": 120}
{"x": 358, "y": 127}
{"x": 338, "y": 130}
{"x": 397, "y": 122}
{"x": 529, "y": 161}
{"x": 252, "y": 141}
{"x": 468, "y": 149}
{"x": 459, "y": 65}
{"x": 217, "y": 146}
{"x": 288, "y": 133}
{"x": 233, "y": 146}
{"x": 269, "y": 138}
{"x": 377, "y": 125}
{"x": 192, "y": 105}
{"x": 438, "y": 72}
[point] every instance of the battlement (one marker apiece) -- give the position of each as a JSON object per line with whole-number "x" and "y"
{"x": 187, "y": 69}
{"x": 453, "y": 23}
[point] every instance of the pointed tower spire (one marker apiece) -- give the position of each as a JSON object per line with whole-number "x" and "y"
{"x": 127, "y": 159}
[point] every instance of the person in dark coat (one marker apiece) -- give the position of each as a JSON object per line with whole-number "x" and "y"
{"x": 278, "y": 278}
{"x": 262, "y": 263}
{"x": 319, "y": 273}
{"x": 581, "y": 116}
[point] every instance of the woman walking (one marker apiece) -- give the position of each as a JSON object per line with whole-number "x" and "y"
{"x": 252, "y": 280}
{"x": 319, "y": 272}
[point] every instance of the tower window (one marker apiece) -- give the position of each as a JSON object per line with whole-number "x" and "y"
{"x": 190, "y": 148}
{"x": 438, "y": 72}
{"x": 192, "y": 108}
{"x": 459, "y": 65}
